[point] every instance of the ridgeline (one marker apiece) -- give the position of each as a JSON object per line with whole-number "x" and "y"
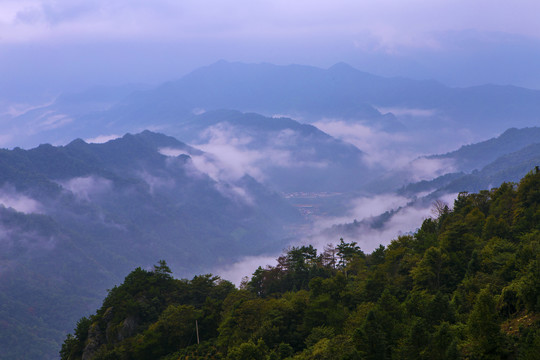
{"x": 466, "y": 285}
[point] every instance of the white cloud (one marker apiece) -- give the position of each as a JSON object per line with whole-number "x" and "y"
{"x": 6, "y": 139}
{"x": 363, "y": 207}
{"x": 224, "y": 177}
{"x": 395, "y": 152}
{"x": 404, "y": 220}
{"x": 233, "y": 156}
{"x": 100, "y": 139}
{"x": 426, "y": 169}
{"x": 173, "y": 152}
{"x": 391, "y": 23}
{"x": 17, "y": 109}
{"x": 85, "y": 188}
{"x": 207, "y": 165}
{"x": 236, "y": 193}
{"x": 10, "y": 198}
{"x": 224, "y": 162}
{"x": 54, "y": 121}
{"x": 244, "y": 267}
{"x": 155, "y": 182}
{"x": 381, "y": 148}
{"x": 234, "y": 162}
{"x": 21, "y": 239}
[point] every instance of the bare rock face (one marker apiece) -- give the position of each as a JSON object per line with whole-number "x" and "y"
{"x": 93, "y": 343}
{"x": 129, "y": 327}
{"x": 95, "y": 337}
{"x": 116, "y": 333}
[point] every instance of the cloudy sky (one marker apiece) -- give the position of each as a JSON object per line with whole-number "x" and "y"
{"x": 47, "y": 46}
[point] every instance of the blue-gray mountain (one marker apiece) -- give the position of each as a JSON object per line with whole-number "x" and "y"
{"x": 288, "y": 155}
{"x": 485, "y": 165}
{"x": 76, "y": 218}
{"x": 305, "y": 93}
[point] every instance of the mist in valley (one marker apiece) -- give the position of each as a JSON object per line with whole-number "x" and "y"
{"x": 219, "y": 135}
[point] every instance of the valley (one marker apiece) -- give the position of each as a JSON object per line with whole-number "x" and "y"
{"x": 213, "y": 181}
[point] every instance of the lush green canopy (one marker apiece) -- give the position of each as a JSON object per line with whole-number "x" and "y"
{"x": 465, "y": 285}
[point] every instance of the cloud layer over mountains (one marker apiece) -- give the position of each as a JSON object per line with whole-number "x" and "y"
{"x": 52, "y": 46}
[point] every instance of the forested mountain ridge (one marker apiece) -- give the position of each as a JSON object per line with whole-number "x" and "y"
{"x": 465, "y": 285}
{"x": 505, "y": 158}
{"x": 293, "y": 156}
{"x": 476, "y": 156}
{"x": 74, "y": 219}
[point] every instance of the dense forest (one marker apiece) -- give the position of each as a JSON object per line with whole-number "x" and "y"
{"x": 465, "y": 285}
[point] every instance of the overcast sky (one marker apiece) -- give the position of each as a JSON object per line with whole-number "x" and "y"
{"x": 48, "y": 46}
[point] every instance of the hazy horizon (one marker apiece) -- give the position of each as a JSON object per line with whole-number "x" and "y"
{"x": 242, "y": 161}
{"x": 48, "y": 47}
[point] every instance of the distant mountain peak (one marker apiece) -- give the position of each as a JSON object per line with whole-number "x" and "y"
{"x": 341, "y": 66}
{"x": 77, "y": 143}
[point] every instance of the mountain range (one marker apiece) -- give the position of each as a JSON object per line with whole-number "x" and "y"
{"x": 74, "y": 217}
{"x": 253, "y": 172}
{"x": 304, "y": 93}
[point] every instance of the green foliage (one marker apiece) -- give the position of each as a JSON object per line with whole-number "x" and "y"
{"x": 483, "y": 326}
{"x": 249, "y": 351}
{"x": 466, "y": 285}
{"x": 100, "y": 217}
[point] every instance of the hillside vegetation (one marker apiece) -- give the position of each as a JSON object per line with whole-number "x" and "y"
{"x": 465, "y": 285}
{"x": 75, "y": 219}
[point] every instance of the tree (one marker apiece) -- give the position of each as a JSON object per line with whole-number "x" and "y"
{"x": 483, "y": 326}
{"x": 431, "y": 270}
{"x": 346, "y": 252}
{"x": 371, "y": 339}
{"x": 173, "y": 330}
{"x": 329, "y": 256}
{"x": 162, "y": 269}
{"x": 249, "y": 351}
{"x": 439, "y": 208}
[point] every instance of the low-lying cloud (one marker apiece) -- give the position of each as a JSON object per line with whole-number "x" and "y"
{"x": 235, "y": 154}
{"x": 85, "y": 188}
{"x": 427, "y": 169}
{"x": 244, "y": 267}
{"x": 10, "y": 198}
{"x": 173, "y": 152}
{"x": 364, "y": 207}
{"x": 405, "y": 219}
{"x": 396, "y": 152}
{"x": 224, "y": 174}
{"x": 381, "y": 148}
{"x": 17, "y": 242}
{"x": 156, "y": 182}
{"x": 100, "y": 139}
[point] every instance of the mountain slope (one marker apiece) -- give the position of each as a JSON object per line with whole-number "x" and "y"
{"x": 86, "y": 213}
{"x": 464, "y": 285}
{"x": 478, "y": 155}
{"x": 506, "y": 158}
{"x": 280, "y": 152}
